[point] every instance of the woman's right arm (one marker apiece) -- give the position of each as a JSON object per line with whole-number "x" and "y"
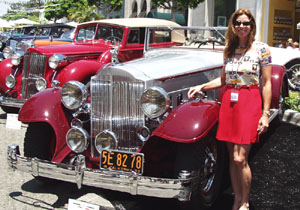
{"x": 213, "y": 84}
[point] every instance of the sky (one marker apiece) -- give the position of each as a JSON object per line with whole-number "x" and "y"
{"x": 4, "y": 6}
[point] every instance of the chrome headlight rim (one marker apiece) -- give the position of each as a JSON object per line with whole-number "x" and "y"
{"x": 162, "y": 101}
{"x": 83, "y": 140}
{"x": 7, "y": 52}
{"x": 41, "y": 84}
{"x": 73, "y": 95}
{"x": 10, "y": 81}
{"x": 16, "y": 58}
{"x": 55, "y": 60}
{"x": 99, "y": 142}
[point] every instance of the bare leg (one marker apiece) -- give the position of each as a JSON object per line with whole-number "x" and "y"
{"x": 243, "y": 171}
{"x": 235, "y": 182}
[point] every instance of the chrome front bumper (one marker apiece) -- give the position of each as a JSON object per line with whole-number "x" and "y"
{"x": 119, "y": 181}
{"x": 11, "y": 102}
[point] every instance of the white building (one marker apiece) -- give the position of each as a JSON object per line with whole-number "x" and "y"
{"x": 217, "y": 12}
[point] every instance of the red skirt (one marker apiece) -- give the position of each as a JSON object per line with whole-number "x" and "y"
{"x": 238, "y": 121}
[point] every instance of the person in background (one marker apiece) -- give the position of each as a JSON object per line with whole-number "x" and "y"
{"x": 289, "y": 44}
{"x": 296, "y": 45}
{"x": 242, "y": 118}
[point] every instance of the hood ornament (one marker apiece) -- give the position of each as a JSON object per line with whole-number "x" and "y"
{"x": 114, "y": 52}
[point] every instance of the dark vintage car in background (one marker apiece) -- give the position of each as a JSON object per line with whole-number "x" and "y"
{"x": 24, "y": 74}
{"x": 132, "y": 129}
{"x": 27, "y": 34}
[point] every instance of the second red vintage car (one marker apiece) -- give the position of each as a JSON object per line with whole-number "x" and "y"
{"x": 24, "y": 74}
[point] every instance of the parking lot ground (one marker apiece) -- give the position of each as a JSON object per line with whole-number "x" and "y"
{"x": 275, "y": 164}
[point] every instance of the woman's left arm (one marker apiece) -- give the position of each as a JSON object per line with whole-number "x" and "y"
{"x": 266, "y": 96}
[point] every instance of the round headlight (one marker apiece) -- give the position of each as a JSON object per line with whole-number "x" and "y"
{"x": 73, "y": 94}
{"x": 154, "y": 102}
{"x": 77, "y": 139}
{"x": 106, "y": 140}
{"x": 16, "y": 58}
{"x": 55, "y": 59}
{"x": 10, "y": 81}
{"x": 7, "y": 52}
{"x": 41, "y": 84}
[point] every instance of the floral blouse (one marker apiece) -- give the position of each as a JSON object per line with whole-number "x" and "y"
{"x": 245, "y": 68}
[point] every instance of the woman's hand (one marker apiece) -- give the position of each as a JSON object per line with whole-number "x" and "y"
{"x": 194, "y": 90}
{"x": 263, "y": 124}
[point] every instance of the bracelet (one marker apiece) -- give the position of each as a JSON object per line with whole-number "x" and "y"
{"x": 267, "y": 112}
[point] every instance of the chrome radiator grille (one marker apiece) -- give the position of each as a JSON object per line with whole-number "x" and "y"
{"x": 115, "y": 106}
{"x": 34, "y": 67}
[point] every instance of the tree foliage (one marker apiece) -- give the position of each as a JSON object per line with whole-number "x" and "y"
{"x": 176, "y": 5}
{"x": 83, "y": 12}
{"x": 110, "y": 6}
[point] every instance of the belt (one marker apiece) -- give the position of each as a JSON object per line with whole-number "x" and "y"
{"x": 236, "y": 86}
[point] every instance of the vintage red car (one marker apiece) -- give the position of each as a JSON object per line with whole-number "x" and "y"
{"x": 132, "y": 128}
{"x": 26, "y": 73}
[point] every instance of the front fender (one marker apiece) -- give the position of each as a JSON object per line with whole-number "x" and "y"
{"x": 46, "y": 107}
{"x": 189, "y": 122}
{"x": 277, "y": 79}
{"x": 79, "y": 71}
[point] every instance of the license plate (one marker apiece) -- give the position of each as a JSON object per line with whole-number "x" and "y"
{"x": 122, "y": 161}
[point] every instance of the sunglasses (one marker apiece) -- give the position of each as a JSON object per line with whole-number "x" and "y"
{"x": 238, "y": 23}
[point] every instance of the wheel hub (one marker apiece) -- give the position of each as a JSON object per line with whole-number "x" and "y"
{"x": 209, "y": 169}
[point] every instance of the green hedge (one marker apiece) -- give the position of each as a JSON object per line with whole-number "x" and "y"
{"x": 293, "y": 102}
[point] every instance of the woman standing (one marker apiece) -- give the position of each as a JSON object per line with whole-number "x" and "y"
{"x": 242, "y": 118}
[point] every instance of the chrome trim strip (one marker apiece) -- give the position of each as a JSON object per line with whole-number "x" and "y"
{"x": 124, "y": 182}
{"x": 11, "y": 102}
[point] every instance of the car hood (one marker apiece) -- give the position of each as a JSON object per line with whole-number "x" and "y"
{"x": 70, "y": 49}
{"x": 281, "y": 56}
{"x": 167, "y": 63}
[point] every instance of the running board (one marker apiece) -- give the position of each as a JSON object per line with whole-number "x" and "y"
{"x": 273, "y": 114}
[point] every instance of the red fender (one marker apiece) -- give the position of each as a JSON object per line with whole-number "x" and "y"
{"x": 189, "y": 122}
{"x": 278, "y": 73}
{"x": 46, "y": 107}
{"x": 78, "y": 71}
{"x": 5, "y": 70}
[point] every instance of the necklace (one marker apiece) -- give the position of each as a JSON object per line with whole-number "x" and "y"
{"x": 241, "y": 47}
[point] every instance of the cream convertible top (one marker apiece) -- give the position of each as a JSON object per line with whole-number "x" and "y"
{"x": 135, "y": 22}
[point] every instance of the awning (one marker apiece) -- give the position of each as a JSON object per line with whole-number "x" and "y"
{"x": 167, "y": 16}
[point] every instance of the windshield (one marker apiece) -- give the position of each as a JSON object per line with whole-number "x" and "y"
{"x": 86, "y": 33}
{"x": 109, "y": 33}
{"x": 68, "y": 34}
{"x": 195, "y": 37}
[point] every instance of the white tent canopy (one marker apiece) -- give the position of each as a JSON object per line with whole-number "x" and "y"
{"x": 24, "y": 21}
{"x": 5, "y": 24}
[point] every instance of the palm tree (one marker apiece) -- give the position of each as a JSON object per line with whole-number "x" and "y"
{"x": 84, "y": 14}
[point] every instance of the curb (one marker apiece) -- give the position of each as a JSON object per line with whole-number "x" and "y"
{"x": 292, "y": 117}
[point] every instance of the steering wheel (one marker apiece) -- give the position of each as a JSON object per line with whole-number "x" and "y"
{"x": 112, "y": 38}
{"x": 213, "y": 41}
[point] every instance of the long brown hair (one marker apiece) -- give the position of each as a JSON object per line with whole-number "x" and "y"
{"x": 232, "y": 40}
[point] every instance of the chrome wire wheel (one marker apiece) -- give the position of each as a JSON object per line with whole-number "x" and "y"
{"x": 294, "y": 77}
{"x": 209, "y": 169}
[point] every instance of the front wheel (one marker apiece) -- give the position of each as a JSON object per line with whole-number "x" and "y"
{"x": 206, "y": 161}
{"x": 294, "y": 77}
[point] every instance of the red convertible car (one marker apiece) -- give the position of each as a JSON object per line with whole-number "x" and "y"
{"x": 25, "y": 73}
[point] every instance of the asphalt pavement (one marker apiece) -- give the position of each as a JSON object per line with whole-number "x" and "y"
{"x": 275, "y": 164}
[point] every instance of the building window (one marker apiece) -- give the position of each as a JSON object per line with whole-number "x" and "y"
{"x": 223, "y": 11}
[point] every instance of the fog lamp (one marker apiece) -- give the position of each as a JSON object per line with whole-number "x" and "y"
{"x": 41, "y": 84}
{"x": 10, "y": 81}
{"x": 77, "y": 139}
{"x": 106, "y": 140}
